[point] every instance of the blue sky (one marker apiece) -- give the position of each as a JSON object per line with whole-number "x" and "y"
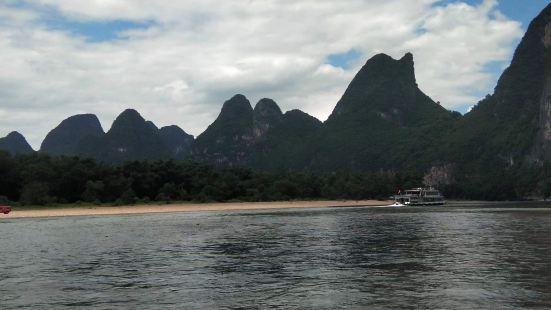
{"x": 100, "y": 31}
{"x": 96, "y": 31}
{"x": 523, "y": 11}
{"x": 176, "y": 62}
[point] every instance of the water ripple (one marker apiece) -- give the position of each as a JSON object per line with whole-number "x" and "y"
{"x": 354, "y": 258}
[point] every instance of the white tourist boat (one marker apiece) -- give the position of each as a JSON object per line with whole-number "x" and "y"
{"x": 420, "y": 196}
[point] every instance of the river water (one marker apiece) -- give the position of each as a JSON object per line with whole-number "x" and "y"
{"x": 356, "y": 258}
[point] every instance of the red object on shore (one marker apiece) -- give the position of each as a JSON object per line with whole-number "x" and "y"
{"x": 5, "y": 210}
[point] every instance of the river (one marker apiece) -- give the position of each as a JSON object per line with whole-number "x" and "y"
{"x": 463, "y": 257}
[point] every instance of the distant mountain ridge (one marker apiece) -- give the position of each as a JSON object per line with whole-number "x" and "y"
{"x": 130, "y": 138}
{"x": 255, "y": 137}
{"x": 383, "y": 122}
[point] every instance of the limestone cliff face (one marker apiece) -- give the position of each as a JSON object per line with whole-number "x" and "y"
{"x": 532, "y": 77}
{"x": 542, "y": 147}
{"x": 513, "y": 125}
{"x": 440, "y": 176}
{"x": 266, "y": 116}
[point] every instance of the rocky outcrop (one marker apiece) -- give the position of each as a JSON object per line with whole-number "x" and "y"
{"x": 440, "y": 176}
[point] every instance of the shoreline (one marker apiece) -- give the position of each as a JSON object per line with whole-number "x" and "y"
{"x": 185, "y": 207}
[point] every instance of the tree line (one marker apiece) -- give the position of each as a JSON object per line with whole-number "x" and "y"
{"x": 40, "y": 179}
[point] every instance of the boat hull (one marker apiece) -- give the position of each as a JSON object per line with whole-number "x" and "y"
{"x": 426, "y": 204}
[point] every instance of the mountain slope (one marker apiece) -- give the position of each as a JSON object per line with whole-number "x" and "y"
{"x": 513, "y": 125}
{"x": 130, "y": 138}
{"x": 15, "y": 143}
{"x": 64, "y": 139}
{"x": 262, "y": 137}
{"x": 281, "y": 147}
{"x": 225, "y": 141}
{"x": 382, "y": 121}
{"x": 177, "y": 141}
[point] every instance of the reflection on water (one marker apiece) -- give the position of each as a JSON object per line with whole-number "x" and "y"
{"x": 453, "y": 258}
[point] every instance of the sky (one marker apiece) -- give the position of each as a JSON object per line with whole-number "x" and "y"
{"x": 176, "y": 62}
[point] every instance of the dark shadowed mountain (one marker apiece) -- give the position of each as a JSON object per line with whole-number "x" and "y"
{"x": 513, "y": 125}
{"x": 227, "y": 139}
{"x": 65, "y": 138}
{"x": 283, "y": 145}
{"x": 131, "y": 137}
{"x": 177, "y": 140}
{"x": 152, "y": 125}
{"x": 502, "y": 147}
{"x": 383, "y": 121}
{"x": 262, "y": 138}
{"x": 15, "y": 143}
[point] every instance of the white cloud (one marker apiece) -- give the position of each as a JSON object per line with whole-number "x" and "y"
{"x": 196, "y": 54}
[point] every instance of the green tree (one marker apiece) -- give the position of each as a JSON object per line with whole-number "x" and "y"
{"x": 128, "y": 197}
{"x": 168, "y": 192}
{"x": 35, "y": 193}
{"x": 93, "y": 191}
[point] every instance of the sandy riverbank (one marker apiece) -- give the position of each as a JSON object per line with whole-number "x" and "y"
{"x": 185, "y": 207}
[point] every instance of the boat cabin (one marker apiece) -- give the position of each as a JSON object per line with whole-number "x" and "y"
{"x": 420, "y": 196}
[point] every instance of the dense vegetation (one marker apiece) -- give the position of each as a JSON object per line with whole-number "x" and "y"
{"x": 39, "y": 179}
{"x": 501, "y": 183}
